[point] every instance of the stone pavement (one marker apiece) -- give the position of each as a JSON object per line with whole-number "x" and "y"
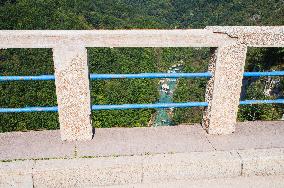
{"x": 126, "y": 156}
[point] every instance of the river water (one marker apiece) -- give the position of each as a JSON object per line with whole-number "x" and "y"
{"x": 167, "y": 87}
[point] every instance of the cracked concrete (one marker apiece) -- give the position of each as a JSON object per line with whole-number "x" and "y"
{"x": 140, "y": 141}
{"x": 253, "y": 36}
{"x": 153, "y": 155}
{"x": 242, "y": 163}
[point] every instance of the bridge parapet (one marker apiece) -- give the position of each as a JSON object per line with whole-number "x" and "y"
{"x": 226, "y": 69}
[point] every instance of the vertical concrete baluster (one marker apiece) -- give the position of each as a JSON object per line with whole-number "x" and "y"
{"x": 73, "y": 92}
{"x": 223, "y": 89}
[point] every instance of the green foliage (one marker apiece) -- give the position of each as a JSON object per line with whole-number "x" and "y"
{"x": 259, "y": 111}
{"x": 129, "y": 14}
{"x": 191, "y": 89}
{"x": 42, "y": 14}
{"x": 263, "y": 59}
{"x": 201, "y": 13}
{"x": 122, "y": 60}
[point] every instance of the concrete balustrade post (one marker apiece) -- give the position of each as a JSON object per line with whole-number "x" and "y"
{"x": 224, "y": 88}
{"x": 73, "y": 92}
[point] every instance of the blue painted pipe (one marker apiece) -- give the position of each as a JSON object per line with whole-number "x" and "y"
{"x": 29, "y": 109}
{"x": 140, "y": 106}
{"x": 279, "y": 101}
{"x": 107, "y": 107}
{"x": 141, "y": 75}
{"x": 149, "y": 75}
{"x": 112, "y": 76}
{"x": 135, "y": 106}
{"x": 257, "y": 74}
{"x": 27, "y": 78}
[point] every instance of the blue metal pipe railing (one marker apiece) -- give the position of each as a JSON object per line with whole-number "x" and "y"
{"x": 141, "y": 75}
{"x": 27, "y": 78}
{"x": 258, "y": 74}
{"x": 149, "y": 75}
{"x": 29, "y": 109}
{"x": 157, "y": 105}
{"x": 275, "y": 101}
{"x": 135, "y": 106}
{"x": 112, "y": 76}
{"x": 133, "y": 76}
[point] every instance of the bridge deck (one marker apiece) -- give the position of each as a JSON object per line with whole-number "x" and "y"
{"x": 137, "y": 141}
{"x": 120, "y": 156}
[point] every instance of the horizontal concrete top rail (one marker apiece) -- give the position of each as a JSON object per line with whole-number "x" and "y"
{"x": 112, "y": 38}
{"x": 212, "y": 36}
{"x": 256, "y": 36}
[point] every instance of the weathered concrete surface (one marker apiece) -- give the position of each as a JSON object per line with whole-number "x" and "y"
{"x": 19, "y": 181}
{"x": 248, "y": 135}
{"x": 123, "y": 170}
{"x": 139, "y": 141}
{"x": 135, "y": 169}
{"x": 17, "y": 167}
{"x": 112, "y": 38}
{"x": 135, "y": 141}
{"x": 262, "y": 162}
{"x": 148, "y": 166}
{"x": 224, "y": 88}
{"x": 256, "y": 36}
{"x": 34, "y": 145}
{"x": 211, "y": 36}
{"x": 87, "y": 172}
{"x": 236, "y": 182}
{"x": 194, "y": 165}
{"x": 73, "y": 92}
{"x": 16, "y": 174}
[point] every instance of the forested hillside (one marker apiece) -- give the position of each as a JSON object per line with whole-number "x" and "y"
{"x": 128, "y": 14}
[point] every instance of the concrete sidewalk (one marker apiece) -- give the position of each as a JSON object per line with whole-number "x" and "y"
{"x": 138, "y": 141}
{"x": 126, "y": 156}
{"x": 236, "y": 182}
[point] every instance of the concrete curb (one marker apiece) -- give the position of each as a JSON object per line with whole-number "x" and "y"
{"x": 262, "y": 162}
{"x": 234, "y": 182}
{"x": 122, "y": 170}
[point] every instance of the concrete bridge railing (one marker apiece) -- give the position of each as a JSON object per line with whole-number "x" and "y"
{"x": 225, "y": 71}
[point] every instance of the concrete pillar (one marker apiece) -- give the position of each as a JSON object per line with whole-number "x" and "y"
{"x": 224, "y": 88}
{"x": 73, "y": 92}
